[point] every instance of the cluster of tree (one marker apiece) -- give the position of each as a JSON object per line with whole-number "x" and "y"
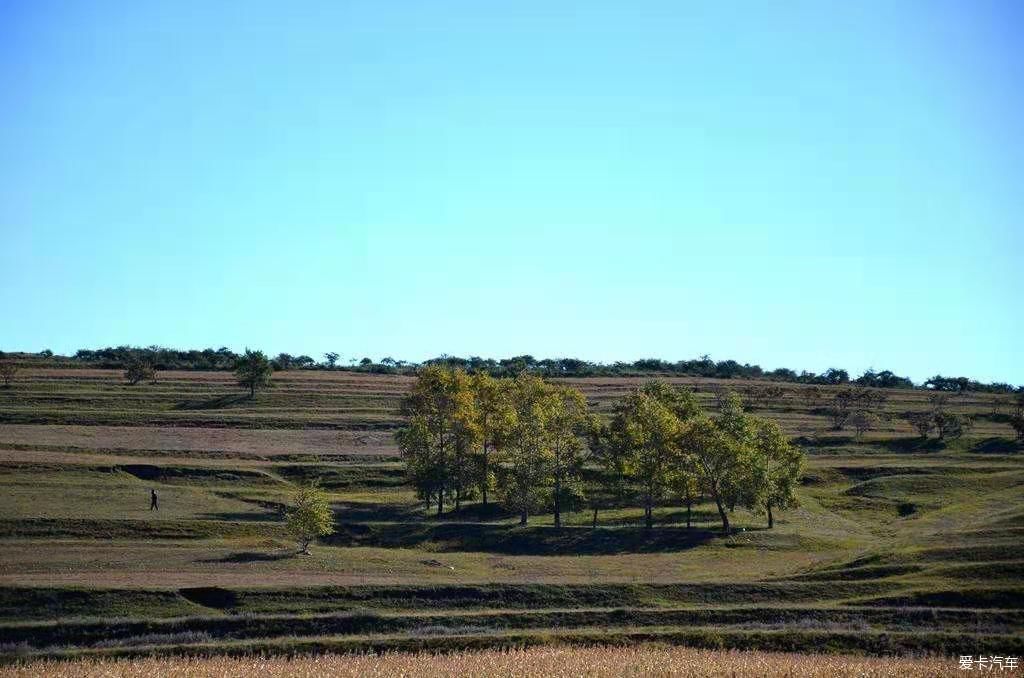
{"x": 158, "y": 357}
{"x": 531, "y": 440}
{"x": 574, "y": 367}
{"x": 764, "y": 395}
{"x": 947, "y": 425}
{"x": 162, "y": 358}
{"x": 861, "y": 408}
{"x": 963, "y": 384}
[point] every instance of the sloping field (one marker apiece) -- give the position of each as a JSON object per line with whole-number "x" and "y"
{"x": 899, "y": 545}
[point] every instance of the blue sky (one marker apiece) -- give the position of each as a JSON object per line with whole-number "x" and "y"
{"x": 799, "y": 184}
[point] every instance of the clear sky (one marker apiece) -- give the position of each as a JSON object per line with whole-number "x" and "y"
{"x": 798, "y": 184}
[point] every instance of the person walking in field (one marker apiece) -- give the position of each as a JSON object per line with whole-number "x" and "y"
{"x": 153, "y": 505}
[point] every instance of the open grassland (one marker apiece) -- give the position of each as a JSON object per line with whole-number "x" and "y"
{"x": 899, "y": 546}
{"x": 556, "y": 662}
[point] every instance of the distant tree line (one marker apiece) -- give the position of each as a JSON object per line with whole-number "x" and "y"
{"x": 161, "y": 358}
{"x": 536, "y": 445}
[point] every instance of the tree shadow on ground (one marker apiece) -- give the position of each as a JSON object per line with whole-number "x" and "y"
{"x": 213, "y": 403}
{"x": 915, "y": 444}
{"x": 359, "y": 512}
{"x": 831, "y": 440}
{"x": 473, "y": 512}
{"x": 997, "y": 446}
{"x": 249, "y": 557}
{"x": 245, "y": 516}
{"x": 517, "y": 540}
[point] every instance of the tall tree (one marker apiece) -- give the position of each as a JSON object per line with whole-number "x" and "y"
{"x": 465, "y": 436}
{"x": 610, "y": 453}
{"x": 565, "y": 426}
{"x": 253, "y": 371}
{"x": 685, "y": 484}
{"x": 719, "y": 451}
{"x": 440, "y": 433}
{"x": 777, "y": 466}
{"x": 527, "y": 457}
{"x": 648, "y": 429}
{"x": 494, "y": 415}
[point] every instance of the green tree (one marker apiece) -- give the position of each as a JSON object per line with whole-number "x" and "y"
{"x": 610, "y": 453}
{"x": 137, "y": 371}
{"x": 685, "y": 484}
{"x": 719, "y": 451}
{"x": 566, "y": 423}
{"x": 648, "y": 429}
{"x": 440, "y": 433}
{"x": 253, "y": 371}
{"x": 466, "y": 436}
{"x": 680, "y": 401}
{"x": 527, "y": 456}
{"x": 949, "y": 425}
{"x": 494, "y": 416}
{"x": 777, "y": 466}
{"x": 310, "y": 515}
{"x": 331, "y": 358}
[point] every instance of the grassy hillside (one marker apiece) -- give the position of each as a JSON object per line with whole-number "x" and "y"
{"x": 899, "y": 544}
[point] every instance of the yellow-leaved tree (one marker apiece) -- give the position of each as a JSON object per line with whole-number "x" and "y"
{"x": 310, "y": 515}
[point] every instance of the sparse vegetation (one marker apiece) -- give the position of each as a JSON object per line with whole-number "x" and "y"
{"x": 8, "y": 370}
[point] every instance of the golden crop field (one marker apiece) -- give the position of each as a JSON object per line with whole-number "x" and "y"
{"x": 554, "y": 662}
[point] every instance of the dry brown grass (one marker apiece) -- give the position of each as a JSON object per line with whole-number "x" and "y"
{"x": 552, "y": 662}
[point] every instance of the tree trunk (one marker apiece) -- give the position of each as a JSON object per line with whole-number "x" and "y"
{"x": 594, "y": 524}
{"x": 458, "y": 499}
{"x": 558, "y": 502}
{"x": 771, "y": 518}
{"x": 648, "y": 516}
{"x": 722, "y": 514}
{"x": 522, "y": 517}
{"x": 689, "y": 504}
{"x": 483, "y": 483}
{"x": 428, "y": 500}
{"x": 440, "y": 501}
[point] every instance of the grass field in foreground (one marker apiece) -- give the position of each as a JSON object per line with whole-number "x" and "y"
{"x": 899, "y": 545}
{"x": 554, "y": 662}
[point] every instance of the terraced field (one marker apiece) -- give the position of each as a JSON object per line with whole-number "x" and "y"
{"x": 899, "y": 545}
